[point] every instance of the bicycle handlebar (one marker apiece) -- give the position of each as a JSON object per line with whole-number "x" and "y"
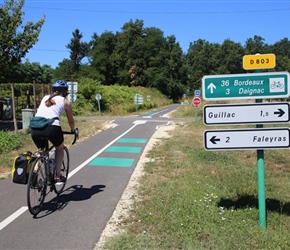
{"x": 75, "y": 133}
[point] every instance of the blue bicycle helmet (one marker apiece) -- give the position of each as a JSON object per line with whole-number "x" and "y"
{"x": 60, "y": 87}
{"x": 60, "y": 84}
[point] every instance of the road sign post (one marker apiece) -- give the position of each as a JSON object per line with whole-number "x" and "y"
{"x": 72, "y": 90}
{"x": 98, "y": 98}
{"x": 138, "y": 99}
{"x": 256, "y": 86}
{"x": 196, "y": 101}
{"x": 246, "y": 86}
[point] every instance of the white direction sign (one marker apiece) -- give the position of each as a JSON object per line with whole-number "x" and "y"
{"x": 72, "y": 87}
{"x": 98, "y": 97}
{"x": 257, "y": 113}
{"x": 72, "y": 97}
{"x": 138, "y": 99}
{"x": 238, "y": 139}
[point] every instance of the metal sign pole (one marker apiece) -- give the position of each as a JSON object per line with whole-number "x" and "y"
{"x": 99, "y": 106}
{"x": 196, "y": 113}
{"x": 261, "y": 179}
{"x": 137, "y": 96}
{"x": 98, "y": 98}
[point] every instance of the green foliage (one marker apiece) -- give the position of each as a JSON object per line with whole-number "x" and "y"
{"x": 82, "y": 106}
{"x": 64, "y": 70}
{"x": 137, "y": 56}
{"x": 15, "y": 38}
{"x": 78, "y": 50}
{"x": 8, "y": 142}
{"x": 123, "y": 97}
{"x": 88, "y": 88}
{"x": 140, "y": 56}
{"x": 115, "y": 99}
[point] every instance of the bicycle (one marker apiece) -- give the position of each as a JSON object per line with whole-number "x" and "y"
{"x": 40, "y": 177}
{"x": 276, "y": 85}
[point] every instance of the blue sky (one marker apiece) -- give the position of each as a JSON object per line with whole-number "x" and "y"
{"x": 188, "y": 21}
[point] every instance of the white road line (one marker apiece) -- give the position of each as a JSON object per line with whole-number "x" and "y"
{"x": 12, "y": 217}
{"x": 157, "y": 127}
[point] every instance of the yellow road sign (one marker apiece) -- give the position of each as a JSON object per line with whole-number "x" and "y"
{"x": 259, "y": 61}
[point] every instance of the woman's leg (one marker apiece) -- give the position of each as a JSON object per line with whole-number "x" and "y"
{"x": 58, "y": 158}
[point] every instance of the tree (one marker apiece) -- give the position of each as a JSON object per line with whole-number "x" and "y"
{"x": 282, "y": 51}
{"x": 101, "y": 57}
{"x": 15, "y": 38}
{"x": 255, "y": 45}
{"x": 64, "y": 70}
{"x": 130, "y": 54}
{"x": 35, "y": 72}
{"x": 230, "y": 56}
{"x": 175, "y": 70}
{"x": 78, "y": 50}
{"x": 202, "y": 60}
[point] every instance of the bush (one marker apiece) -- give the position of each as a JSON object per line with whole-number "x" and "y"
{"x": 8, "y": 142}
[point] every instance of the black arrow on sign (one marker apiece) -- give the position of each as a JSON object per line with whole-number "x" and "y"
{"x": 279, "y": 113}
{"x": 214, "y": 139}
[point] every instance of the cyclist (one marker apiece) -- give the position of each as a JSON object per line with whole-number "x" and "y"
{"x": 52, "y": 106}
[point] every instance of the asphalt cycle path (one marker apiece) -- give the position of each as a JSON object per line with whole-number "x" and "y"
{"x": 100, "y": 169}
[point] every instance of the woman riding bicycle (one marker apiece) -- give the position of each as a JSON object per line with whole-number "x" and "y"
{"x": 52, "y": 106}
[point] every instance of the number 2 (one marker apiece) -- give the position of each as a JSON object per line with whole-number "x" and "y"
{"x": 227, "y": 139}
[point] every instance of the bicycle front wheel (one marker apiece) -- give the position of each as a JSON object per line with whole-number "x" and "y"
{"x": 59, "y": 186}
{"x": 36, "y": 186}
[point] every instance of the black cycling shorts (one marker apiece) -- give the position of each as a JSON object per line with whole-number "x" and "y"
{"x": 51, "y": 132}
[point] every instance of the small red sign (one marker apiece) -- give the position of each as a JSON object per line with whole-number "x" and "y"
{"x": 196, "y": 101}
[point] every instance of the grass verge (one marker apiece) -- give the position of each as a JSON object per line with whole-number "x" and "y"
{"x": 190, "y": 198}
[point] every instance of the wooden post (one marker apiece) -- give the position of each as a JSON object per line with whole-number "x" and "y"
{"x": 42, "y": 89}
{"x": 34, "y": 96}
{"x": 13, "y": 109}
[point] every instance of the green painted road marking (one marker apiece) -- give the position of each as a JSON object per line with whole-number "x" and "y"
{"x": 132, "y": 140}
{"x": 112, "y": 162}
{"x": 124, "y": 149}
{"x": 119, "y": 162}
{"x": 149, "y": 113}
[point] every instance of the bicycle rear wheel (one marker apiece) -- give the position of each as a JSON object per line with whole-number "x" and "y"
{"x": 59, "y": 186}
{"x": 36, "y": 187}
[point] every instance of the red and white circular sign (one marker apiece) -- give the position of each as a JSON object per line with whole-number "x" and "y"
{"x": 196, "y": 101}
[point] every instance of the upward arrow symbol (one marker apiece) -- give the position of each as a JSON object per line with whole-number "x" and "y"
{"x": 211, "y": 86}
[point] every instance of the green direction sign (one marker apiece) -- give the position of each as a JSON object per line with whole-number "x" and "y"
{"x": 246, "y": 86}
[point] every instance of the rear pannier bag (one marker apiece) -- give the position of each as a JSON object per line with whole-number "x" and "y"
{"x": 21, "y": 167}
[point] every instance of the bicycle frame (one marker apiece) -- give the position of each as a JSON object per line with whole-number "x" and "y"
{"x": 39, "y": 181}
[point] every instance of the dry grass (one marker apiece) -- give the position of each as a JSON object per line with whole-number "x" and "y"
{"x": 190, "y": 198}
